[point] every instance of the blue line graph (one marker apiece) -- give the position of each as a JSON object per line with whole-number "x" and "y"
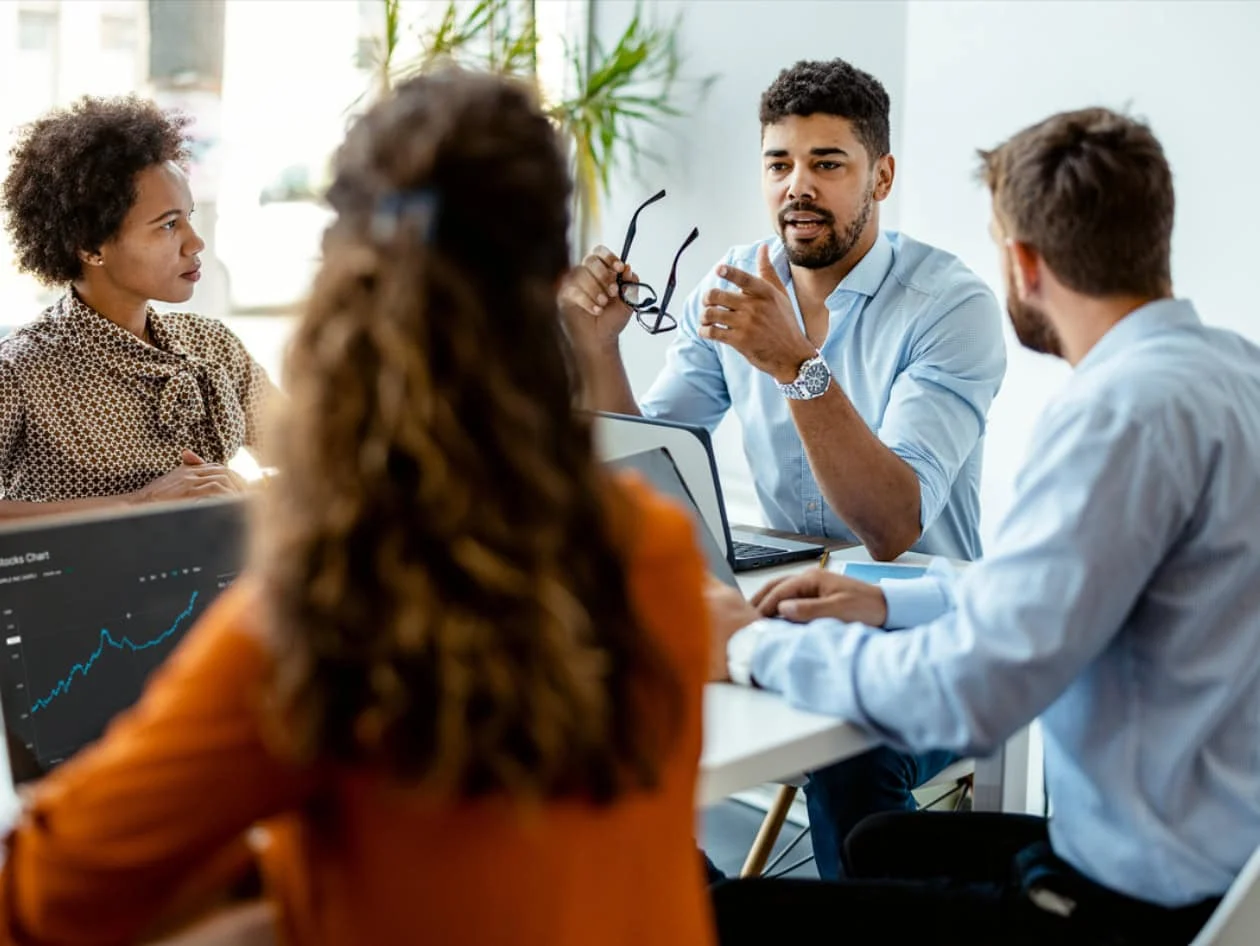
{"x": 81, "y": 669}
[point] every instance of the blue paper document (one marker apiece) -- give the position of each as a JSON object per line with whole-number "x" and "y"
{"x": 874, "y": 571}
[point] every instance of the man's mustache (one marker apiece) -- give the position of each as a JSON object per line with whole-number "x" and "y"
{"x": 801, "y": 207}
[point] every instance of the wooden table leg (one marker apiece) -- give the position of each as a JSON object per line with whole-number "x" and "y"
{"x": 768, "y": 833}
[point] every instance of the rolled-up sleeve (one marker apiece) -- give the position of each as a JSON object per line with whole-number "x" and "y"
{"x": 691, "y": 388}
{"x": 938, "y": 403}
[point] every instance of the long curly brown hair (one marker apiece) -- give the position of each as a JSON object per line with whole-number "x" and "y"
{"x": 441, "y": 559}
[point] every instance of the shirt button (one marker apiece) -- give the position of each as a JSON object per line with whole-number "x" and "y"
{"x": 812, "y": 506}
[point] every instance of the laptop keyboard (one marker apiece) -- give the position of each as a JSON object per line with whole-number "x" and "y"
{"x": 752, "y": 550}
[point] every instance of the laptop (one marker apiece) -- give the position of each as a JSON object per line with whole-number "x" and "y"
{"x": 91, "y": 605}
{"x": 658, "y": 468}
{"x": 691, "y": 449}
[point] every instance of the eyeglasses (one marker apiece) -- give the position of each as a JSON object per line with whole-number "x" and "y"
{"x": 652, "y": 314}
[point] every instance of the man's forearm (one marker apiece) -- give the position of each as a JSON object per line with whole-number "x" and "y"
{"x": 868, "y": 486}
{"x": 605, "y": 385}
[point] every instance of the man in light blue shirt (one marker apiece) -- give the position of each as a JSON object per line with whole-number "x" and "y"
{"x": 1120, "y": 602}
{"x": 861, "y": 365}
{"x": 913, "y": 338}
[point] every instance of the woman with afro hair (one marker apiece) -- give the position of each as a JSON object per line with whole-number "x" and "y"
{"x": 104, "y": 401}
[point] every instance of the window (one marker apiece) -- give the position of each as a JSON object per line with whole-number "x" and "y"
{"x": 371, "y": 15}
{"x": 119, "y": 34}
{"x": 37, "y": 31}
{"x": 123, "y": 63}
{"x": 38, "y": 60}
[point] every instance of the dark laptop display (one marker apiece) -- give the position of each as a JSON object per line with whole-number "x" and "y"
{"x": 90, "y": 606}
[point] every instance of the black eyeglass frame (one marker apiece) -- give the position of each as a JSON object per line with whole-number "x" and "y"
{"x": 647, "y": 305}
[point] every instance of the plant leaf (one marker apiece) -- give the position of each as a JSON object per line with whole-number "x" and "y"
{"x": 616, "y": 91}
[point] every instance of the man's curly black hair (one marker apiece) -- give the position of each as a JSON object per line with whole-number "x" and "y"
{"x": 73, "y": 178}
{"x": 831, "y": 88}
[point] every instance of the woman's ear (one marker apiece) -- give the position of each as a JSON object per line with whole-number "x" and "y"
{"x": 91, "y": 259}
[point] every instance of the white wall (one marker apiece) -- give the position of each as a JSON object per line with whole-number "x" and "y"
{"x": 710, "y": 159}
{"x": 978, "y": 71}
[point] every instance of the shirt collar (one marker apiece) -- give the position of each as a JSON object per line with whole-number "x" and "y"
{"x": 1154, "y": 318}
{"x": 89, "y": 325}
{"x": 163, "y": 337}
{"x": 864, "y": 279}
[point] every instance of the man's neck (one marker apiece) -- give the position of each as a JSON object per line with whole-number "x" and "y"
{"x": 1091, "y": 318}
{"x": 121, "y": 308}
{"x": 813, "y": 286}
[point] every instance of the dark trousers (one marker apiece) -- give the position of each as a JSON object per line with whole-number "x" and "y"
{"x": 841, "y": 796}
{"x": 949, "y": 878}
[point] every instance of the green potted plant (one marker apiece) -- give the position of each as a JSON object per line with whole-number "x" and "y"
{"x": 609, "y": 94}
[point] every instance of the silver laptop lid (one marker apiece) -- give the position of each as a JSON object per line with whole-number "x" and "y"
{"x": 617, "y": 435}
{"x": 658, "y": 468}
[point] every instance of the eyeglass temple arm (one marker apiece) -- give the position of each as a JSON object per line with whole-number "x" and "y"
{"x": 672, "y": 282}
{"x": 634, "y": 220}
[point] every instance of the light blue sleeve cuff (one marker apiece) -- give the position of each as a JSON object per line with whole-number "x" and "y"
{"x": 812, "y": 664}
{"x": 915, "y": 601}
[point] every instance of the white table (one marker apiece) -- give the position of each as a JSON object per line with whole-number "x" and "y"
{"x": 752, "y": 737}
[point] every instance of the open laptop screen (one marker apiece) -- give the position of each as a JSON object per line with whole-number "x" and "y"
{"x": 657, "y": 467}
{"x": 90, "y": 606}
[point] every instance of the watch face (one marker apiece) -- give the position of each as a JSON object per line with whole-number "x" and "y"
{"x": 815, "y": 377}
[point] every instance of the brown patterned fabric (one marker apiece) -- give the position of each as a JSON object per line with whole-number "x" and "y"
{"x": 87, "y": 409}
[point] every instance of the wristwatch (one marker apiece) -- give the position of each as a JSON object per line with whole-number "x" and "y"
{"x": 812, "y": 380}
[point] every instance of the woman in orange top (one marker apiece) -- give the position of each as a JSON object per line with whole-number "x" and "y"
{"x": 460, "y": 690}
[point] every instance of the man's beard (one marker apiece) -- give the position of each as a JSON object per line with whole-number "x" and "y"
{"x": 1032, "y": 328}
{"x": 830, "y": 247}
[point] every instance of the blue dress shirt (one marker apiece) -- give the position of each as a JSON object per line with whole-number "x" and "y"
{"x": 914, "y": 341}
{"x": 1121, "y": 604}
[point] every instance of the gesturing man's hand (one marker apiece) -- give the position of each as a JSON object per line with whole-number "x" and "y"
{"x": 757, "y": 320}
{"x": 589, "y": 301}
